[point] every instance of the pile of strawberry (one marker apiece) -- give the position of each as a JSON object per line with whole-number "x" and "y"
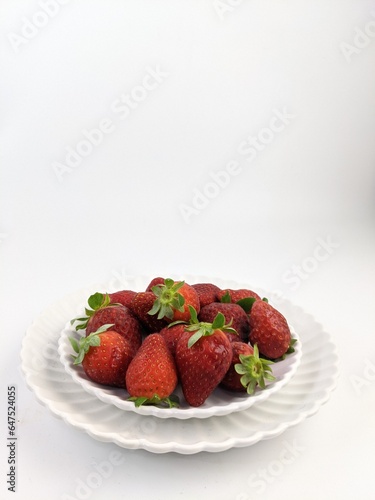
{"x": 198, "y": 336}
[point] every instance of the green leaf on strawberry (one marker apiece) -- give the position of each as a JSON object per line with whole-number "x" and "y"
{"x": 203, "y": 329}
{"x": 246, "y": 303}
{"x": 226, "y": 298}
{"x": 291, "y": 346}
{"x": 82, "y": 346}
{"x": 167, "y": 299}
{"x": 290, "y": 350}
{"x": 170, "y": 402}
{"x": 96, "y": 301}
{"x": 254, "y": 370}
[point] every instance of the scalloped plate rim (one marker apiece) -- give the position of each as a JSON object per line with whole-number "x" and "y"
{"x": 35, "y": 382}
{"x": 235, "y": 402}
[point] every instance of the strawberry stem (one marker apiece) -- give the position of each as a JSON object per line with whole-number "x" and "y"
{"x": 203, "y": 329}
{"x": 254, "y": 370}
{"x": 168, "y": 299}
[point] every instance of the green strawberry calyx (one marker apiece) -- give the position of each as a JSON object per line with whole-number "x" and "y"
{"x": 82, "y": 346}
{"x": 290, "y": 350}
{"x": 169, "y": 402}
{"x": 204, "y": 329}
{"x": 254, "y": 370}
{"x": 246, "y": 303}
{"x": 168, "y": 299}
{"x": 95, "y": 302}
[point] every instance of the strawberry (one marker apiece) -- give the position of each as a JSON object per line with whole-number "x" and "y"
{"x": 207, "y": 293}
{"x": 269, "y": 330}
{"x": 203, "y": 356}
{"x": 124, "y": 323}
{"x": 173, "y": 299}
{"x": 152, "y": 376}
{"x": 154, "y": 282}
{"x": 105, "y": 356}
{"x": 233, "y": 314}
{"x": 232, "y": 380}
{"x": 234, "y": 337}
{"x": 104, "y": 312}
{"x": 237, "y": 294}
{"x": 141, "y": 304}
{"x": 172, "y": 334}
{"x": 254, "y": 371}
{"x": 123, "y": 297}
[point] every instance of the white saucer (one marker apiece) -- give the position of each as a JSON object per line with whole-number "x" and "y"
{"x": 45, "y": 375}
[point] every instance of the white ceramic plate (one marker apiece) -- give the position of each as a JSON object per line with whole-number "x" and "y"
{"x": 310, "y": 387}
{"x": 220, "y": 402}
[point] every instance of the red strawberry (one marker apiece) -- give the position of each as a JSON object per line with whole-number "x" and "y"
{"x": 172, "y": 335}
{"x": 173, "y": 300}
{"x": 102, "y": 312}
{"x": 123, "y": 297}
{"x": 232, "y": 380}
{"x": 269, "y": 330}
{"x": 154, "y": 282}
{"x": 233, "y": 314}
{"x": 152, "y": 376}
{"x": 237, "y": 294}
{"x": 234, "y": 337}
{"x": 207, "y": 293}
{"x": 141, "y": 304}
{"x": 124, "y": 323}
{"x": 203, "y": 356}
{"x": 105, "y": 356}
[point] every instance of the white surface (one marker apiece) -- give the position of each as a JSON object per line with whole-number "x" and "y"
{"x": 220, "y": 402}
{"x": 298, "y": 218}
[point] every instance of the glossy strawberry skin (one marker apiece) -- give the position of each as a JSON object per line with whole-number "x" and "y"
{"x": 269, "y": 330}
{"x": 107, "y": 363}
{"x": 238, "y": 294}
{"x": 207, "y": 293}
{"x": 191, "y": 299}
{"x": 232, "y": 381}
{"x": 172, "y": 335}
{"x": 141, "y": 304}
{"x": 232, "y": 313}
{"x": 123, "y": 297}
{"x": 155, "y": 281}
{"x": 123, "y": 321}
{"x": 152, "y": 370}
{"x": 202, "y": 366}
{"x": 234, "y": 337}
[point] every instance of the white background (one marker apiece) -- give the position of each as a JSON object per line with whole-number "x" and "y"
{"x": 228, "y": 69}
